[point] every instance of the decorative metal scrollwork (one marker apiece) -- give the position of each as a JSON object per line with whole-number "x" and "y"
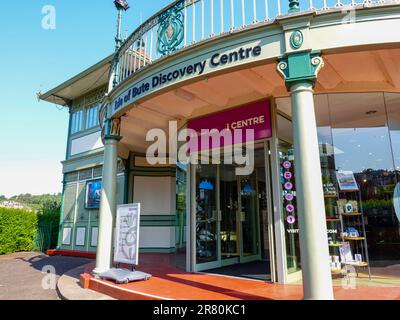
{"x": 171, "y": 29}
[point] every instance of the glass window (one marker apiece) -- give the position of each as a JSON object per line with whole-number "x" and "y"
{"x": 76, "y": 121}
{"x": 360, "y": 143}
{"x": 181, "y": 205}
{"x": 206, "y": 215}
{"x": 289, "y": 206}
{"x": 288, "y": 187}
{"x": 92, "y": 117}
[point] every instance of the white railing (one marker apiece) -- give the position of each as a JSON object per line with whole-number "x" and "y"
{"x": 187, "y": 22}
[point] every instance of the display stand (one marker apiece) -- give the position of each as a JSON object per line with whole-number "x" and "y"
{"x": 354, "y": 219}
{"x": 347, "y": 214}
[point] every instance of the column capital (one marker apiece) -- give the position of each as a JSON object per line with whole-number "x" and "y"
{"x": 111, "y": 129}
{"x": 300, "y": 67}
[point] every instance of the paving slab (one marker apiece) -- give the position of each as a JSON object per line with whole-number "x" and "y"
{"x": 22, "y": 275}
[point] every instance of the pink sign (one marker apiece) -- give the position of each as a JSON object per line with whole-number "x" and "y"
{"x": 255, "y": 116}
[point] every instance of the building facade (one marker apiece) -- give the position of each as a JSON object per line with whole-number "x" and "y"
{"x": 321, "y": 88}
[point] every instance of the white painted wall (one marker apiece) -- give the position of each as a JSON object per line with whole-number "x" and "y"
{"x": 157, "y": 237}
{"x": 156, "y": 195}
{"x": 86, "y": 143}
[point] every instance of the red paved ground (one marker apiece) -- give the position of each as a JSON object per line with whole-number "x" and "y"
{"x": 169, "y": 282}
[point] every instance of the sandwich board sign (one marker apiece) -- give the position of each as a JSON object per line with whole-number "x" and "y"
{"x": 127, "y": 234}
{"x": 126, "y": 249}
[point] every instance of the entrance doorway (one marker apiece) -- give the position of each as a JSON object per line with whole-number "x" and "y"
{"x": 232, "y": 219}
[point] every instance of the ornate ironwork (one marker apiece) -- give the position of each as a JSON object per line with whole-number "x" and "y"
{"x": 171, "y": 29}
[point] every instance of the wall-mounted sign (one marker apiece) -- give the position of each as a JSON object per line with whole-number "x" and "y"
{"x": 195, "y": 67}
{"x": 255, "y": 116}
{"x": 93, "y": 194}
{"x": 127, "y": 234}
{"x": 291, "y": 219}
{"x": 289, "y": 193}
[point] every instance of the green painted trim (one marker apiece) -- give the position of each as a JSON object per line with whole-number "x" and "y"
{"x": 90, "y": 236}
{"x": 60, "y": 223}
{"x": 157, "y": 224}
{"x": 294, "y": 6}
{"x": 296, "y": 39}
{"x": 67, "y": 225}
{"x": 82, "y": 154}
{"x": 300, "y": 67}
{"x": 80, "y": 225}
{"x": 158, "y": 221}
{"x": 83, "y": 157}
{"x": 154, "y": 172}
{"x": 155, "y": 216}
{"x": 126, "y": 183}
{"x": 79, "y": 164}
{"x": 85, "y": 132}
{"x": 68, "y": 135}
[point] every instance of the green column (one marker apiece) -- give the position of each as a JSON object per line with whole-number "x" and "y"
{"x": 108, "y": 196}
{"x": 300, "y": 73}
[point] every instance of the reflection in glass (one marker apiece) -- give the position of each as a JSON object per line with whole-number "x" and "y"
{"x": 206, "y": 215}
{"x": 248, "y": 214}
{"x": 291, "y": 227}
{"x": 362, "y": 144}
{"x": 181, "y": 203}
{"x": 230, "y": 242}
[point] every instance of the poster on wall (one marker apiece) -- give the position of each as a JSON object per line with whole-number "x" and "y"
{"x": 93, "y": 194}
{"x": 346, "y": 180}
{"x": 127, "y": 234}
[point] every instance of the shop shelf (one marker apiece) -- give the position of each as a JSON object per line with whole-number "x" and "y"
{"x": 356, "y": 264}
{"x": 351, "y": 214}
{"x": 353, "y": 238}
{"x": 338, "y": 271}
{"x": 335, "y": 244}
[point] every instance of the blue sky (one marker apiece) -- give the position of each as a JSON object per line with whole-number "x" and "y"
{"x": 33, "y": 134}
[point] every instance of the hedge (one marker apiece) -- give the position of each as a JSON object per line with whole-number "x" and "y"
{"x": 49, "y": 219}
{"x": 17, "y": 230}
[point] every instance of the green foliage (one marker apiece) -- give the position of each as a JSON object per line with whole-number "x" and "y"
{"x": 379, "y": 204}
{"x": 49, "y": 218}
{"x": 24, "y": 230}
{"x": 37, "y": 202}
{"x": 17, "y": 230}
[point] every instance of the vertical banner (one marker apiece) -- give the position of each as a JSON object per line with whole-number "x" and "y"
{"x": 127, "y": 234}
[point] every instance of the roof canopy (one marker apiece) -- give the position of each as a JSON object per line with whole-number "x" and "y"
{"x": 93, "y": 77}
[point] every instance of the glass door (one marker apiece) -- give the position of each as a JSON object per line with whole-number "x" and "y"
{"x": 207, "y": 220}
{"x": 249, "y": 218}
{"x": 228, "y": 214}
{"x": 230, "y": 228}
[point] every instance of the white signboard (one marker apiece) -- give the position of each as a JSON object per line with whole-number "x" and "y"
{"x": 127, "y": 234}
